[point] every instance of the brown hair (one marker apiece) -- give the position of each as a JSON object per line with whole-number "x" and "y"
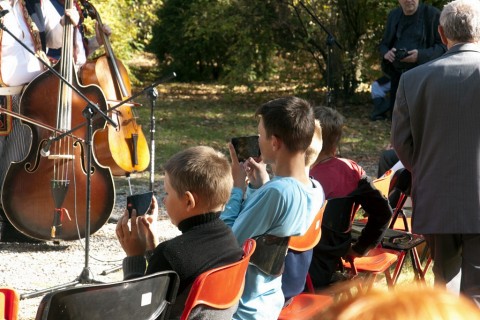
{"x": 204, "y": 172}
{"x": 332, "y": 127}
{"x": 290, "y": 119}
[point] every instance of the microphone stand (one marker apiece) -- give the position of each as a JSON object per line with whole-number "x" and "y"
{"x": 152, "y": 94}
{"x": 90, "y": 110}
{"x": 330, "y": 42}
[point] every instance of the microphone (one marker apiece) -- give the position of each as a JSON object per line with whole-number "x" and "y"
{"x": 45, "y": 152}
{"x": 3, "y": 12}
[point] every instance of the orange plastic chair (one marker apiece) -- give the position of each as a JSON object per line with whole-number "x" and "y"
{"x": 383, "y": 183}
{"x": 400, "y": 185}
{"x": 9, "y": 299}
{"x": 312, "y": 236}
{"x": 307, "y": 305}
{"x": 309, "y": 240}
{"x": 401, "y": 222}
{"x": 222, "y": 287}
{"x": 387, "y": 185}
{"x": 378, "y": 260}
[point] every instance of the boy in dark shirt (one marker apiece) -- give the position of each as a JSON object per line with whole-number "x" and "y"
{"x": 197, "y": 185}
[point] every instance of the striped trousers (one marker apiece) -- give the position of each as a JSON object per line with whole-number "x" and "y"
{"x": 15, "y": 146}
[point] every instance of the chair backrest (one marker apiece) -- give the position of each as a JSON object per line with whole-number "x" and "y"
{"x": 383, "y": 183}
{"x": 399, "y": 188}
{"x": 147, "y": 297}
{"x": 399, "y": 192}
{"x": 222, "y": 287}
{"x": 269, "y": 255}
{"x": 339, "y": 214}
{"x": 8, "y": 303}
{"x": 310, "y": 239}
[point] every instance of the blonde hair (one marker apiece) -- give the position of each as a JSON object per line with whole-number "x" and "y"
{"x": 413, "y": 302}
{"x": 203, "y": 171}
{"x": 315, "y": 147}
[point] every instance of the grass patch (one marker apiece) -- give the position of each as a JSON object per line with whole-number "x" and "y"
{"x": 210, "y": 114}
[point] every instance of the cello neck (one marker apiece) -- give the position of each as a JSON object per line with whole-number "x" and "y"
{"x": 108, "y": 49}
{"x": 64, "y": 115}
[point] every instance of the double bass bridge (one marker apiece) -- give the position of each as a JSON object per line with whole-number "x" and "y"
{"x": 61, "y": 157}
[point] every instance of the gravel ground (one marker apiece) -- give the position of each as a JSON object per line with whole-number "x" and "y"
{"x": 28, "y": 267}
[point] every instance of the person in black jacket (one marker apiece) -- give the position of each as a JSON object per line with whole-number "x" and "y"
{"x": 411, "y": 38}
{"x": 197, "y": 186}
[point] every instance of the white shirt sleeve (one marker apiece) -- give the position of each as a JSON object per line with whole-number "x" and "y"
{"x": 54, "y": 32}
{"x": 53, "y": 28}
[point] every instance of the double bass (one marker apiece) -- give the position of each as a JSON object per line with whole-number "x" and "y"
{"x": 124, "y": 149}
{"x": 44, "y": 196}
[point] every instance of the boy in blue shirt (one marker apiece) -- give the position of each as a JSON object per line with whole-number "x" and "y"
{"x": 283, "y": 206}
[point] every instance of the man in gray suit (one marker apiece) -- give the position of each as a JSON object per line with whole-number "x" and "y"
{"x": 436, "y": 134}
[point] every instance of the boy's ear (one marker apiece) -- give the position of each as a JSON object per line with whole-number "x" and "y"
{"x": 276, "y": 143}
{"x": 190, "y": 200}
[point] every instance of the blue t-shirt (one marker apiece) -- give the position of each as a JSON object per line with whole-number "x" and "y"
{"x": 282, "y": 207}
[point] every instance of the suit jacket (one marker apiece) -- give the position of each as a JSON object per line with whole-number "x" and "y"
{"x": 436, "y": 134}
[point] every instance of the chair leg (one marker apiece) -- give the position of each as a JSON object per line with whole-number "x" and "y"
{"x": 416, "y": 264}
{"x": 424, "y": 269}
{"x": 419, "y": 269}
{"x": 398, "y": 268}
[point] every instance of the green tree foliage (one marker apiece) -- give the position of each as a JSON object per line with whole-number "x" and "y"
{"x": 209, "y": 39}
{"x": 245, "y": 40}
{"x": 131, "y": 22}
{"x": 241, "y": 41}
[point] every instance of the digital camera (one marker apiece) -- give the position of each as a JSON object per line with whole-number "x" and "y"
{"x": 246, "y": 147}
{"x": 400, "y": 54}
{"x": 140, "y": 202}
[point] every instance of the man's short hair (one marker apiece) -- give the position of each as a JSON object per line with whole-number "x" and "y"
{"x": 291, "y": 120}
{"x": 332, "y": 127}
{"x": 460, "y": 20}
{"x": 204, "y": 172}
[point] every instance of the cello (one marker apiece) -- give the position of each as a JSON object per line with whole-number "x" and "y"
{"x": 43, "y": 196}
{"x": 124, "y": 149}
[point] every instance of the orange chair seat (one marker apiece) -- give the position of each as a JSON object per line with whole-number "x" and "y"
{"x": 378, "y": 260}
{"x": 305, "y": 306}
